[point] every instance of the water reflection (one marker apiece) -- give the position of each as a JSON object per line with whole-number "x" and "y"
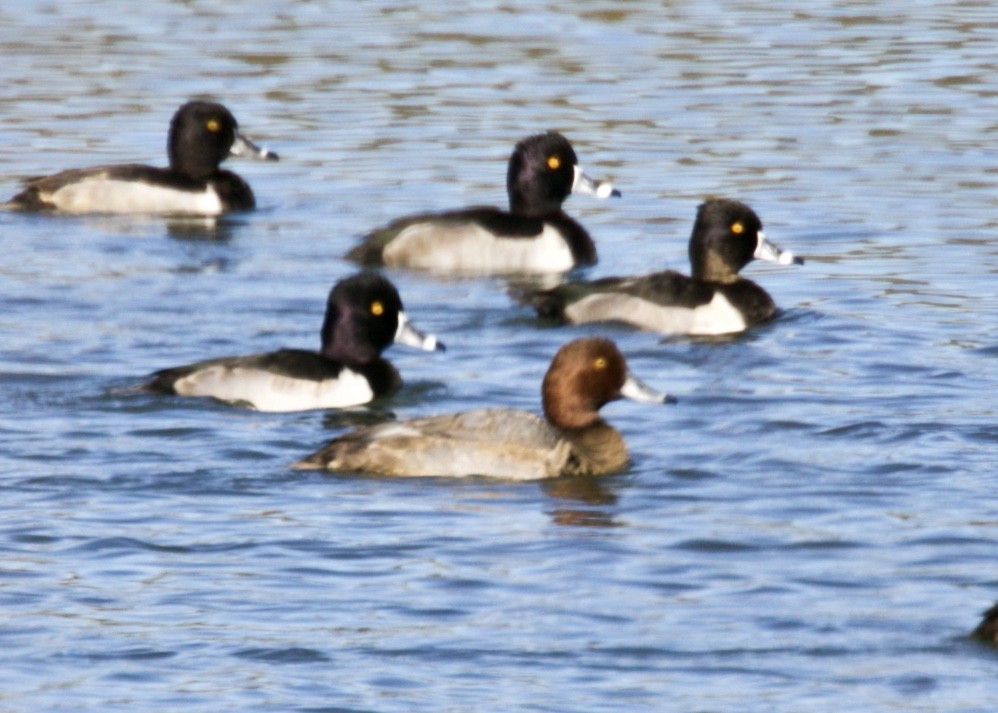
{"x": 584, "y": 491}
{"x": 217, "y": 229}
{"x": 867, "y": 131}
{"x": 356, "y": 417}
{"x": 182, "y": 227}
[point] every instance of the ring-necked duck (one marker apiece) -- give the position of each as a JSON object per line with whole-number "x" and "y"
{"x": 727, "y": 235}
{"x": 507, "y": 443}
{"x": 202, "y": 135}
{"x": 363, "y": 317}
{"x": 987, "y": 630}
{"x": 533, "y": 237}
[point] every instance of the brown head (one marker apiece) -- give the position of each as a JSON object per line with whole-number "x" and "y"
{"x": 584, "y": 375}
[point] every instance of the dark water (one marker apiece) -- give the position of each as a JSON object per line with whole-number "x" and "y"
{"x": 813, "y": 527}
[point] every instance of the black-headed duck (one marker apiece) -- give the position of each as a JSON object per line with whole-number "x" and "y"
{"x": 202, "y": 135}
{"x": 715, "y": 300}
{"x": 364, "y": 316}
{"x": 534, "y": 236}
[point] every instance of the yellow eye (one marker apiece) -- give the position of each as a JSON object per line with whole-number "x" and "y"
{"x": 737, "y": 228}
{"x": 599, "y": 363}
{"x": 377, "y": 309}
{"x": 554, "y": 163}
{"x": 212, "y": 125}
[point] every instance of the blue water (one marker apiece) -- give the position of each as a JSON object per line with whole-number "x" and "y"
{"x": 812, "y": 527}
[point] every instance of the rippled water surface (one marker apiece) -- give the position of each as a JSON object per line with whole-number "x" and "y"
{"x": 812, "y": 527}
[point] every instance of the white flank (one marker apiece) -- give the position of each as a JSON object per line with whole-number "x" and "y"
{"x": 265, "y": 391}
{"x": 716, "y": 317}
{"x": 100, "y": 195}
{"x": 470, "y": 249}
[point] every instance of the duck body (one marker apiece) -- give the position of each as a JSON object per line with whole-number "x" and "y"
{"x": 280, "y": 381}
{"x": 714, "y": 300}
{"x": 479, "y": 241}
{"x": 570, "y": 440}
{"x": 202, "y": 135}
{"x": 534, "y": 236}
{"x": 666, "y": 302}
{"x": 494, "y": 442}
{"x": 135, "y": 188}
{"x": 364, "y": 316}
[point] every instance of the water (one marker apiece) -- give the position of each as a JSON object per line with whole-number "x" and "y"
{"x": 812, "y": 527}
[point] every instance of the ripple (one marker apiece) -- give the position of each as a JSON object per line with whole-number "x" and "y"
{"x": 128, "y": 654}
{"x": 290, "y": 655}
{"x": 857, "y": 430}
{"x": 801, "y": 530}
{"x": 115, "y": 546}
{"x": 714, "y": 546}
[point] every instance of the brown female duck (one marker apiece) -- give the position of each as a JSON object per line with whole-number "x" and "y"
{"x": 571, "y": 440}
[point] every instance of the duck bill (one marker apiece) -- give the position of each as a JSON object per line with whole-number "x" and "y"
{"x": 243, "y": 147}
{"x": 767, "y": 251}
{"x": 590, "y": 186}
{"x": 636, "y": 390}
{"x": 411, "y": 337}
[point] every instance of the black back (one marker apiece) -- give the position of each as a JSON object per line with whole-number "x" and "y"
{"x": 302, "y": 364}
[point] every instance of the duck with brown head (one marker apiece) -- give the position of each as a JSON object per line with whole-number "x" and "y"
{"x": 571, "y": 440}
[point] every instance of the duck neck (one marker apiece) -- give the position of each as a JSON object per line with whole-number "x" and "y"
{"x": 566, "y": 410}
{"x": 713, "y": 268}
{"x": 538, "y": 208}
{"x": 599, "y": 448}
{"x": 340, "y": 341}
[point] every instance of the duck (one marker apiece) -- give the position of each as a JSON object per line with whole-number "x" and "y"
{"x": 987, "y": 630}
{"x": 202, "y": 135}
{"x": 714, "y": 300}
{"x": 571, "y": 439}
{"x": 364, "y": 315}
{"x": 534, "y": 237}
